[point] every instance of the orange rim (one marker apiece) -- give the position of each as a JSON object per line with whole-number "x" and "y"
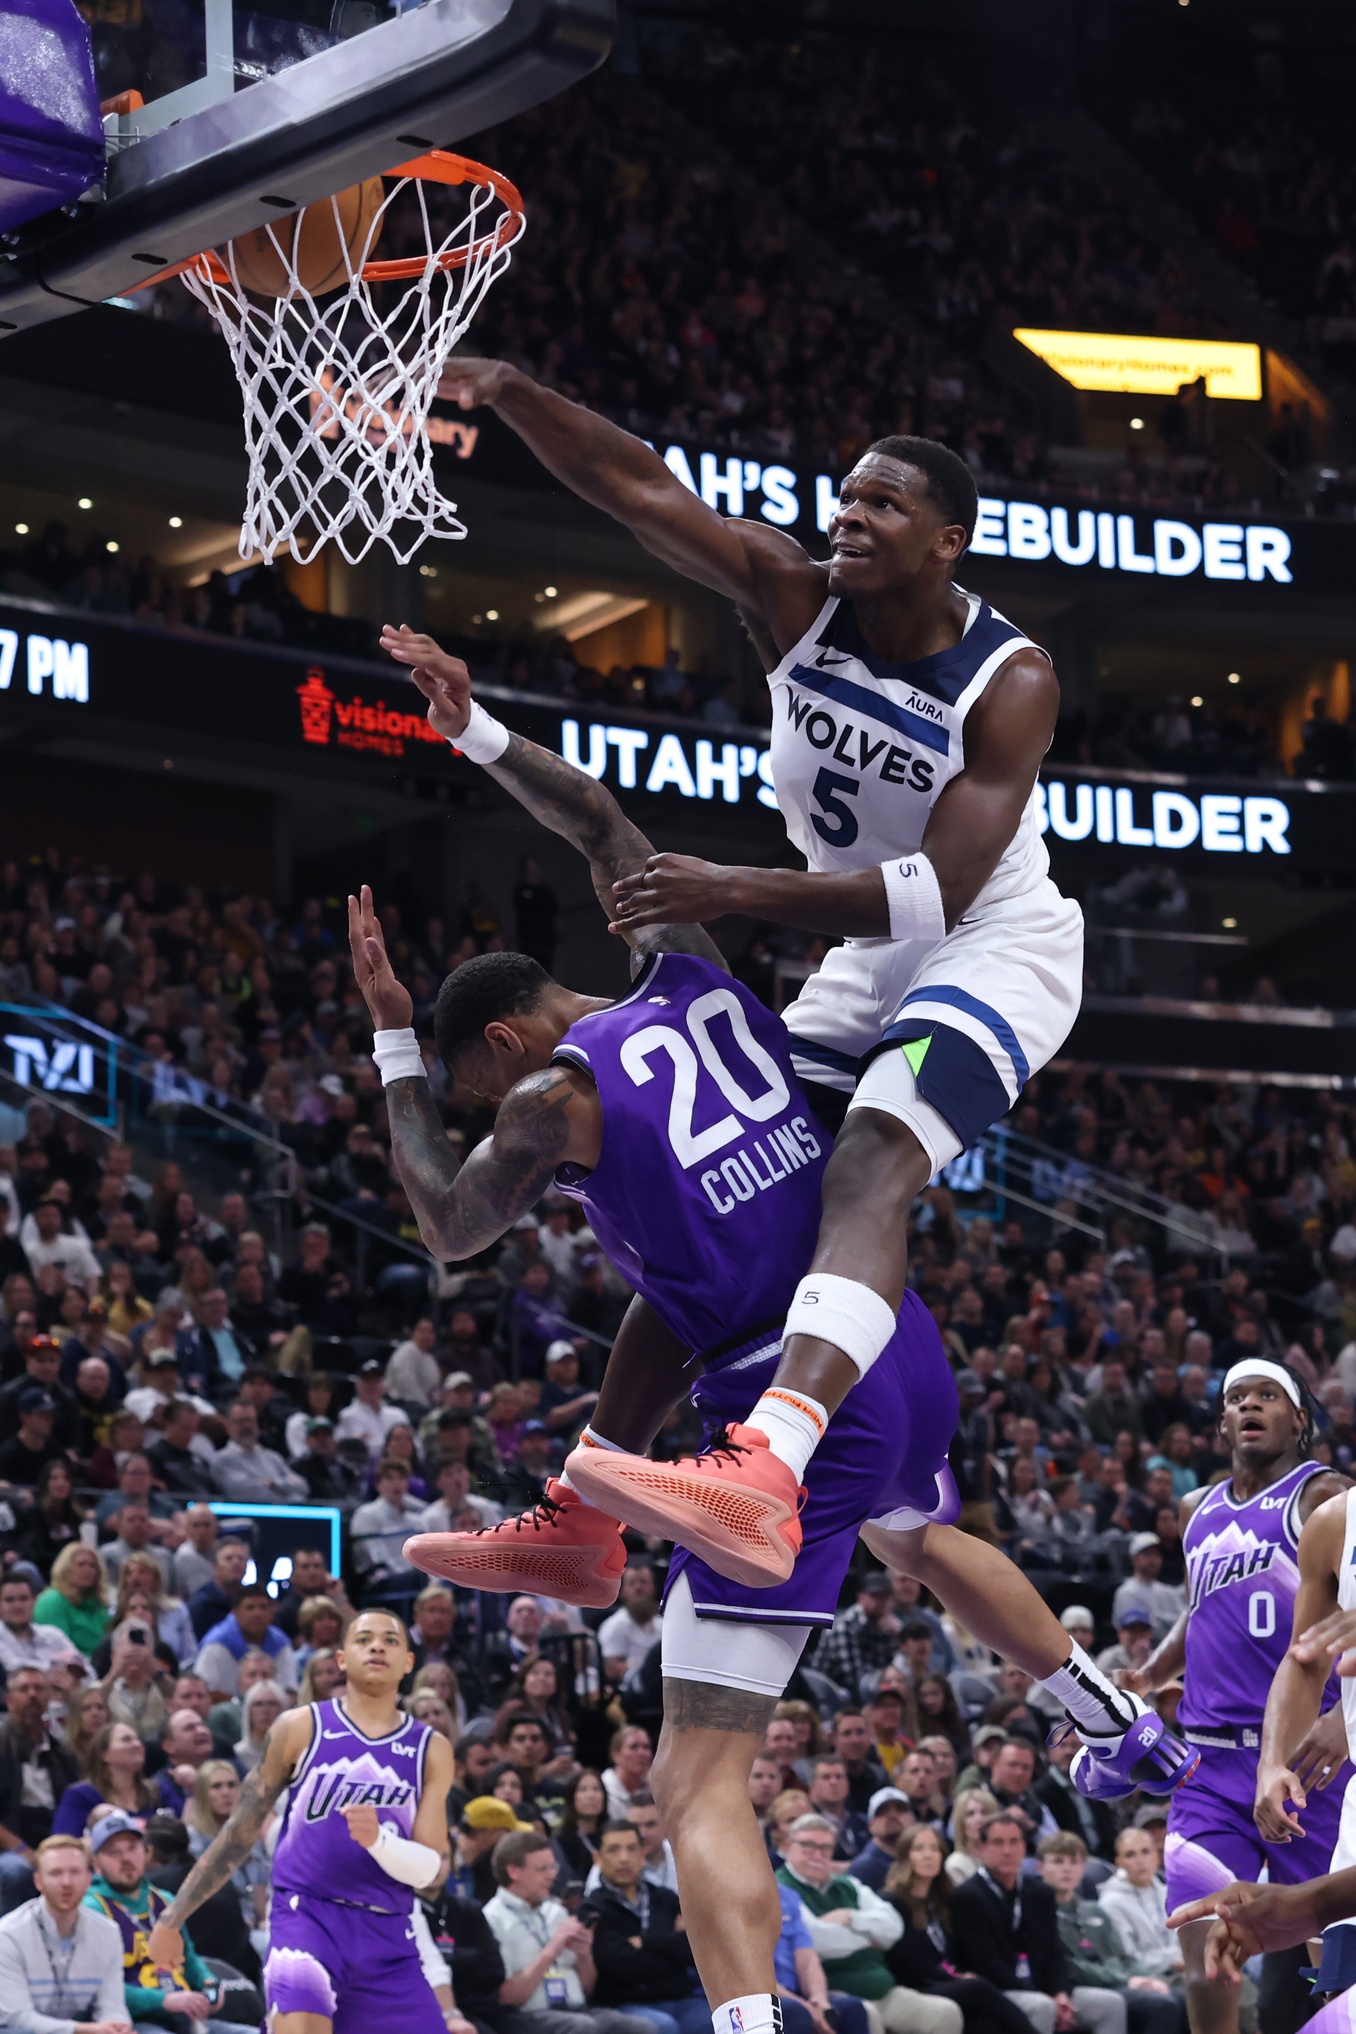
{"x": 437, "y": 167}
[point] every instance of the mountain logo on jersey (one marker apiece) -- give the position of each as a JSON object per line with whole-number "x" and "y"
{"x": 363, "y": 1782}
{"x": 1230, "y": 1556}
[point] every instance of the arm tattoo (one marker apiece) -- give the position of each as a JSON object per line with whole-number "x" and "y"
{"x": 572, "y": 804}
{"x": 700, "y": 1705}
{"x": 582, "y": 811}
{"x": 462, "y": 1211}
{"x": 233, "y": 1843}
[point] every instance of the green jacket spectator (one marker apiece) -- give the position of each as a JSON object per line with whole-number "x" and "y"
{"x": 853, "y": 1956}
{"x": 74, "y": 1600}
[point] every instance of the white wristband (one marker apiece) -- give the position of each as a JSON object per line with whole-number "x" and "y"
{"x": 483, "y": 739}
{"x": 400, "y": 1857}
{"x": 398, "y": 1056}
{"x": 915, "y": 899}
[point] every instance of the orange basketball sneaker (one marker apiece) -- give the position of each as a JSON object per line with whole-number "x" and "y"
{"x": 735, "y": 1504}
{"x": 562, "y": 1547}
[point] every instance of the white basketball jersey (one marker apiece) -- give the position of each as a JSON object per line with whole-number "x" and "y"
{"x": 1346, "y": 1600}
{"x": 862, "y": 750}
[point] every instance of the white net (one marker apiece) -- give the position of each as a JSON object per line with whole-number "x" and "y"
{"x": 337, "y": 387}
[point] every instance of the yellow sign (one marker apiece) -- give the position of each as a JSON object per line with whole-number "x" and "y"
{"x": 1134, "y": 366}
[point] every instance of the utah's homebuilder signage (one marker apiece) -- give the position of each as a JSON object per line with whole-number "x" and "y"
{"x": 132, "y": 686}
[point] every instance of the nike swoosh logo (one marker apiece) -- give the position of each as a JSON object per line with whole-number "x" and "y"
{"x": 830, "y": 663}
{"x": 335, "y": 1736}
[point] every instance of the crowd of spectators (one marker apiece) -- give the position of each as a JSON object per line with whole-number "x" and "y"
{"x": 158, "y": 1351}
{"x": 699, "y": 273}
{"x": 252, "y": 605}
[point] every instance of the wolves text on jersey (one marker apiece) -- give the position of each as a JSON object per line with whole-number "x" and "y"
{"x": 854, "y": 747}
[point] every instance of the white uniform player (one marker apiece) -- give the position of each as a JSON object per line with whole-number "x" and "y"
{"x": 1339, "y": 1941}
{"x": 861, "y": 752}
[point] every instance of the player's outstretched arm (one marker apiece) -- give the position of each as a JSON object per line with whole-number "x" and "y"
{"x": 1296, "y": 1695}
{"x": 565, "y": 799}
{"x": 547, "y": 1118}
{"x": 285, "y": 1744}
{"x": 764, "y": 570}
{"x": 971, "y": 825}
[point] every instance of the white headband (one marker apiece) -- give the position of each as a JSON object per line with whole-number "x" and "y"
{"x": 1259, "y": 1367}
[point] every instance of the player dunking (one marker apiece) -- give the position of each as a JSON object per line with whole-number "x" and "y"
{"x": 363, "y": 1828}
{"x": 676, "y": 1117}
{"x": 1241, "y": 1538}
{"x": 909, "y": 723}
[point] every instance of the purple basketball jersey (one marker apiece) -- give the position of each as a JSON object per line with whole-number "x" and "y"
{"x": 1242, "y": 1575}
{"x": 706, "y": 1195}
{"x": 345, "y": 1769}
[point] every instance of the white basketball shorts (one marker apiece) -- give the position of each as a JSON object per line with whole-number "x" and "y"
{"x": 951, "y": 1033}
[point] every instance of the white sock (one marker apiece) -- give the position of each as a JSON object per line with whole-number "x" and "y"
{"x": 794, "y": 1424}
{"x": 589, "y": 1439}
{"x": 758, "y": 2013}
{"x": 1099, "y": 1709}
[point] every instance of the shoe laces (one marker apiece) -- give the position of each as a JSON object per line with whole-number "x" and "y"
{"x": 721, "y": 1444}
{"x": 540, "y": 1519}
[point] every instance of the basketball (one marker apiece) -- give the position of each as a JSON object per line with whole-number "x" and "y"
{"x": 315, "y": 242}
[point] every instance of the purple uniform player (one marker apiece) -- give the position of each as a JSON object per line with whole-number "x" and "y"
{"x": 706, "y": 1198}
{"x": 340, "y": 1930}
{"x": 364, "y": 1826}
{"x": 1242, "y": 1577}
{"x": 1241, "y": 1541}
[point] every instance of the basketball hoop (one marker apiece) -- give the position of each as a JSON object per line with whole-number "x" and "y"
{"x": 336, "y": 391}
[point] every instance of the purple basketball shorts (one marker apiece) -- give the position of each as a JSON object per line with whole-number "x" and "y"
{"x": 357, "y": 1968}
{"x": 883, "y": 1457}
{"x": 1213, "y": 1840}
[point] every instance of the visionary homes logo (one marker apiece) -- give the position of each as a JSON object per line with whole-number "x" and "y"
{"x": 354, "y": 723}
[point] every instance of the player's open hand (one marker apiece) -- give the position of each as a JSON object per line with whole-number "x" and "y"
{"x": 443, "y": 679}
{"x": 363, "y": 1825}
{"x": 1275, "y": 1786}
{"x": 1324, "y": 1640}
{"x": 1249, "y": 1920}
{"x": 673, "y": 890}
{"x": 471, "y": 383}
{"x": 388, "y": 1001}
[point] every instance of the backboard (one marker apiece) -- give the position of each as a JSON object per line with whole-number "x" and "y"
{"x": 251, "y": 108}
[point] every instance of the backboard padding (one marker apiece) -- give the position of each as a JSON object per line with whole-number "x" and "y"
{"x": 440, "y": 72}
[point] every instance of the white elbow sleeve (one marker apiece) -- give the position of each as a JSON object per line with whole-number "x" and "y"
{"x": 400, "y": 1857}
{"x": 915, "y": 899}
{"x": 398, "y": 1056}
